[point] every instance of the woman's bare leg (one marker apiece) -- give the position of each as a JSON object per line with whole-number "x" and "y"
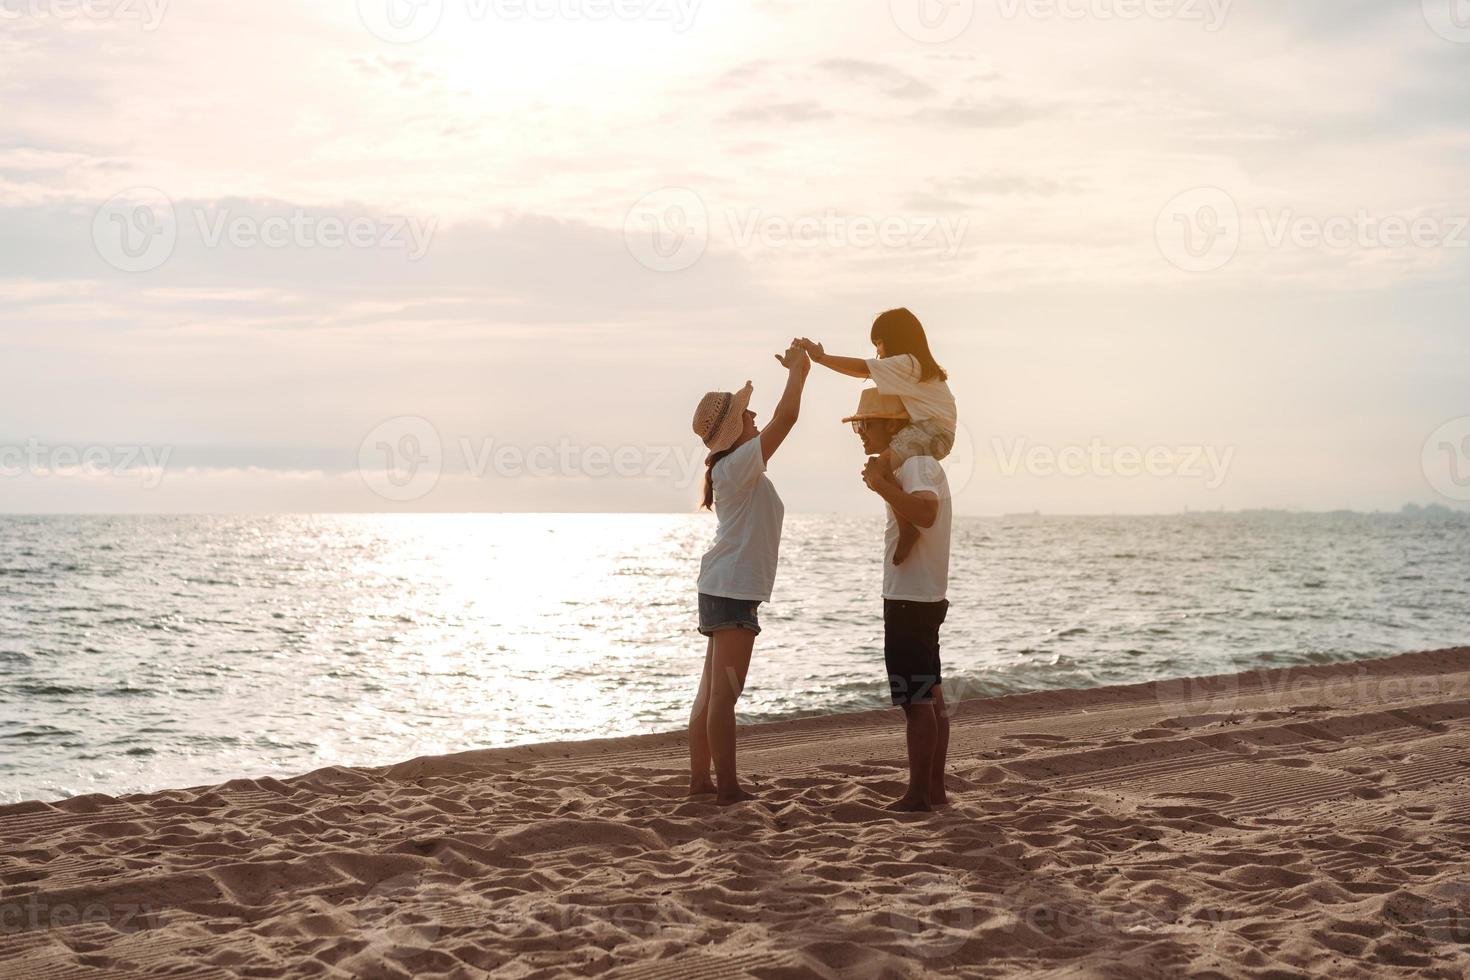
{"x": 699, "y": 781}
{"x": 728, "y": 666}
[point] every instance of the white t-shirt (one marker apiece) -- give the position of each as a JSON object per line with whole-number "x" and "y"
{"x": 741, "y": 564}
{"x": 924, "y": 574}
{"x": 899, "y": 375}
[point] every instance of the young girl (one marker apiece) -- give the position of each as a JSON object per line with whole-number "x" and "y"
{"x": 739, "y": 569}
{"x": 904, "y": 367}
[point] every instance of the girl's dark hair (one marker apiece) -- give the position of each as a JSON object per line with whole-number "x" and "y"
{"x": 902, "y": 333}
{"x": 709, "y": 475}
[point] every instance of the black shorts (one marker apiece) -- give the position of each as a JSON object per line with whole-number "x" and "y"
{"x": 911, "y": 648}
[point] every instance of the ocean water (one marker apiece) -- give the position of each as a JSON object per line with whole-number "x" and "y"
{"x": 138, "y": 653}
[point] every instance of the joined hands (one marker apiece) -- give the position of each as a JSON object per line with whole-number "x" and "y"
{"x": 795, "y": 358}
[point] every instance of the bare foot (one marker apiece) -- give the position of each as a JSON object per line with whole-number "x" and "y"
{"x": 701, "y": 789}
{"x": 737, "y": 796}
{"x": 908, "y": 804}
{"x": 908, "y": 535}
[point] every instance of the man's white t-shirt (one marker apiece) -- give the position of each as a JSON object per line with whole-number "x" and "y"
{"x": 924, "y": 574}
{"x": 899, "y": 375}
{"x": 741, "y": 564}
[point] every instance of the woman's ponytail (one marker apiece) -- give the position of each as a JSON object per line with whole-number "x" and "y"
{"x": 709, "y": 476}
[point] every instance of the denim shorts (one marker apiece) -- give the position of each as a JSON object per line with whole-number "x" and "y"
{"x": 717, "y": 612}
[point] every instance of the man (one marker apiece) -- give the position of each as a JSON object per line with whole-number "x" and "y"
{"x": 914, "y": 603}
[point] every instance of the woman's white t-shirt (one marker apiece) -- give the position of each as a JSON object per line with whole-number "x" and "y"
{"x": 741, "y": 564}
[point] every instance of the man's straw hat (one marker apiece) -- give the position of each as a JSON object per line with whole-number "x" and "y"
{"x": 873, "y": 405}
{"x": 720, "y": 418}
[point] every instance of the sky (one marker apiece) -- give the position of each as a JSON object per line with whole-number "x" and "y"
{"x": 487, "y": 255}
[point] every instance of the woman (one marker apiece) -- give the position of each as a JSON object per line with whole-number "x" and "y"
{"x": 739, "y": 569}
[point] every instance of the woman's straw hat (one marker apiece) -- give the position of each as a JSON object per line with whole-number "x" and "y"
{"x": 873, "y": 405}
{"x": 720, "y": 418}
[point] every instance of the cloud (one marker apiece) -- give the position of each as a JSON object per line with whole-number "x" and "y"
{"x": 520, "y": 266}
{"x": 982, "y": 114}
{"x": 779, "y": 112}
{"x": 896, "y": 83}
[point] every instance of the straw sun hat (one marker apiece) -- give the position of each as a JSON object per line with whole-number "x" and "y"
{"x": 720, "y": 418}
{"x": 873, "y": 405}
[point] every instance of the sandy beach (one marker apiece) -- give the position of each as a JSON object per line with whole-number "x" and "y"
{"x": 1268, "y": 824}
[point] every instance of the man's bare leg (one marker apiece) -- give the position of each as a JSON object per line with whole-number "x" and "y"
{"x": 921, "y": 733}
{"x": 937, "y": 794}
{"x": 699, "y": 781}
{"x": 729, "y": 663}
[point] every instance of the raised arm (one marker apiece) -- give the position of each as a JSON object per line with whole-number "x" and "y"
{"x": 797, "y": 365}
{"x": 853, "y": 367}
